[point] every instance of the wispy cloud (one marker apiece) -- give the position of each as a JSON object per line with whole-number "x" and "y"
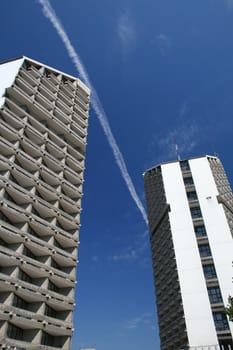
{"x": 145, "y": 319}
{"x": 126, "y": 32}
{"x": 49, "y": 12}
{"x": 183, "y": 110}
{"x": 95, "y": 259}
{"x": 185, "y": 136}
{"x": 135, "y": 251}
{"x": 229, "y": 4}
{"x": 164, "y": 43}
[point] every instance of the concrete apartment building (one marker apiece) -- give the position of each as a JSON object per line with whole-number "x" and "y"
{"x": 43, "y": 130}
{"x": 190, "y": 212}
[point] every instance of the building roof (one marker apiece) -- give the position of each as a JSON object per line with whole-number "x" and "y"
{"x": 176, "y": 161}
{"x": 86, "y": 88}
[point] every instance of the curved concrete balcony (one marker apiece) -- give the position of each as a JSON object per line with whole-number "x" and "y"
{"x": 30, "y": 320}
{"x": 36, "y": 130}
{"x": 64, "y": 111}
{"x": 11, "y": 120}
{"x": 44, "y": 209}
{"x": 67, "y": 101}
{"x": 43, "y": 140}
{"x": 30, "y": 153}
{"x": 79, "y": 113}
{"x": 46, "y": 93}
{"x": 35, "y": 268}
{"x": 45, "y": 106}
{"x": 25, "y": 179}
{"x": 49, "y": 84}
{"x": 34, "y": 293}
{"x": 29, "y": 78}
{"x": 13, "y": 344}
{"x": 80, "y": 103}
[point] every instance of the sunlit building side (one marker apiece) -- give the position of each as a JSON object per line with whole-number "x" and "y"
{"x": 43, "y": 130}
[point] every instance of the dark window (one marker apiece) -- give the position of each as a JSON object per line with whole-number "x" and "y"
{"x": 57, "y": 244}
{"x": 209, "y": 271}
{"x": 204, "y": 250}
{"x": 192, "y": 195}
{"x": 55, "y": 265}
{"x": 8, "y": 197}
{"x": 3, "y": 243}
{"x": 28, "y": 253}
{"x": 188, "y": 181}
{"x": 215, "y": 295}
{"x": 14, "y": 332}
{"x": 200, "y": 230}
{"x": 47, "y": 339}
{"x": 184, "y": 165}
{"x": 32, "y": 232}
{"x": 24, "y": 107}
{"x": 20, "y": 303}
{"x": 50, "y": 312}
{"x": 220, "y": 321}
{"x": 24, "y": 277}
{"x": 4, "y": 218}
{"x": 196, "y": 212}
{"x": 53, "y": 287}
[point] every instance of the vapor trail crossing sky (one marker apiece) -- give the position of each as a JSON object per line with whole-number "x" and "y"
{"x": 49, "y": 12}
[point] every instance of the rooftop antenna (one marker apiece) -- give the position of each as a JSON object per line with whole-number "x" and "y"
{"x": 177, "y": 149}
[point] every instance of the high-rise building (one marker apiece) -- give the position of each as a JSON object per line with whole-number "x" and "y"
{"x": 43, "y": 129}
{"x": 190, "y": 212}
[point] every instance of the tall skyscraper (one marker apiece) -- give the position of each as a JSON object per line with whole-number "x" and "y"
{"x": 190, "y": 212}
{"x": 43, "y": 129}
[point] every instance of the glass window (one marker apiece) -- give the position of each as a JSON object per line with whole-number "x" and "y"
{"x": 215, "y": 295}
{"x": 28, "y": 253}
{"x": 204, "y": 250}
{"x": 188, "y": 181}
{"x": 209, "y": 271}
{"x": 192, "y": 195}
{"x": 184, "y": 165}
{"x": 14, "y": 332}
{"x": 200, "y": 230}
{"x": 53, "y": 287}
{"x": 4, "y": 218}
{"x": 3, "y": 243}
{"x": 47, "y": 339}
{"x": 50, "y": 312}
{"x": 32, "y": 232}
{"x": 55, "y": 265}
{"x": 24, "y": 277}
{"x": 20, "y": 303}
{"x": 196, "y": 212}
{"x": 220, "y": 321}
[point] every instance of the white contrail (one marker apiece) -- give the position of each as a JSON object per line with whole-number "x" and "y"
{"x": 96, "y": 104}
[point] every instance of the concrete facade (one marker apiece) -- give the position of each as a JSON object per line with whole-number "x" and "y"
{"x": 43, "y": 130}
{"x": 190, "y": 212}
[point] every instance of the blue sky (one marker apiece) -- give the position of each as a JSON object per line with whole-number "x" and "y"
{"x": 162, "y": 69}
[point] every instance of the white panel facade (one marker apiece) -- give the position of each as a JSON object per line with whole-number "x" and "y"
{"x": 8, "y": 72}
{"x": 219, "y": 234}
{"x": 199, "y": 321}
